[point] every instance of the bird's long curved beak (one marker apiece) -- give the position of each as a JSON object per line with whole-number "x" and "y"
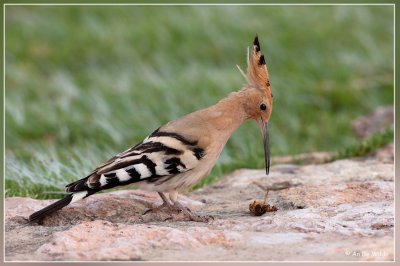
{"x": 265, "y": 134}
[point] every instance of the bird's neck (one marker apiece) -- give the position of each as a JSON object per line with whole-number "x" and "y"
{"x": 228, "y": 114}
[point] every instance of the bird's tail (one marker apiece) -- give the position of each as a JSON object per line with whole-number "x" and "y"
{"x": 70, "y": 198}
{"x": 51, "y": 208}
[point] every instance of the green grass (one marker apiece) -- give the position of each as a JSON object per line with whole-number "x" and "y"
{"x": 86, "y": 82}
{"x": 368, "y": 145}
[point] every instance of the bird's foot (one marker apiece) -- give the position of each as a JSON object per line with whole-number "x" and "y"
{"x": 178, "y": 208}
{"x": 165, "y": 205}
{"x": 192, "y": 216}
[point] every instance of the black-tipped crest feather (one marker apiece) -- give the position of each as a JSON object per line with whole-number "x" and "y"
{"x": 262, "y": 60}
{"x": 257, "y": 44}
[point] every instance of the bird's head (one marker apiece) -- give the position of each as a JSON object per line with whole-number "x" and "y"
{"x": 257, "y": 100}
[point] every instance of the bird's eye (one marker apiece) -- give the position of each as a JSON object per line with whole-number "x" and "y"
{"x": 263, "y": 106}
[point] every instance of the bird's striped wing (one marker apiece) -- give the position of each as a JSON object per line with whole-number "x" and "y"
{"x": 161, "y": 155}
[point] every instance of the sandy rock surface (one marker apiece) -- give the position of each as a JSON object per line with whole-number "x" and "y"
{"x": 378, "y": 120}
{"x": 341, "y": 210}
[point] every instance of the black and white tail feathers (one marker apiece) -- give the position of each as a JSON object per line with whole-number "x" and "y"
{"x": 51, "y": 208}
{"x": 68, "y": 199}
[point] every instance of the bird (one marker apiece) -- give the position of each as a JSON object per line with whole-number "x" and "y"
{"x": 177, "y": 155}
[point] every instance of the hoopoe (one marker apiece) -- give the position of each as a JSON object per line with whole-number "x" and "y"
{"x": 179, "y": 154}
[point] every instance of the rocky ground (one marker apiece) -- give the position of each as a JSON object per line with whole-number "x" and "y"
{"x": 336, "y": 211}
{"x": 341, "y": 210}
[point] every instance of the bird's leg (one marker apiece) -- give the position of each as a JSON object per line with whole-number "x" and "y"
{"x": 165, "y": 204}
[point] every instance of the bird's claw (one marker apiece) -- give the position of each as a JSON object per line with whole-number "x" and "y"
{"x": 177, "y": 207}
{"x": 189, "y": 214}
{"x": 162, "y": 206}
{"x": 203, "y": 219}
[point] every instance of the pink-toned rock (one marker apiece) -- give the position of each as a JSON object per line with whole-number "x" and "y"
{"x": 384, "y": 154}
{"x": 304, "y": 158}
{"x": 101, "y": 240}
{"x": 374, "y": 122}
{"x": 341, "y": 210}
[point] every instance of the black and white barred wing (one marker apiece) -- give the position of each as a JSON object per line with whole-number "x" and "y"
{"x": 160, "y": 156}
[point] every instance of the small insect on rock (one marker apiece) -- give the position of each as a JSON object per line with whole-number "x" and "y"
{"x": 258, "y": 207}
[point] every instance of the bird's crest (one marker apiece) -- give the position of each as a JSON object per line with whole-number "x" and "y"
{"x": 257, "y": 73}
